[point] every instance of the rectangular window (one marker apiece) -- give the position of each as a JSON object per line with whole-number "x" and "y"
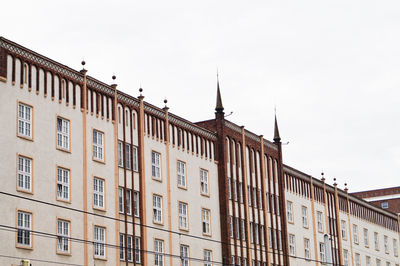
{"x": 385, "y": 243}
{"x": 206, "y": 217}
{"x": 345, "y": 257}
{"x": 319, "y": 221}
{"x": 251, "y": 233}
{"x": 290, "y": 211}
{"x": 292, "y": 250}
{"x": 204, "y": 182}
{"x": 128, "y": 155}
{"x": 231, "y": 226}
{"x": 181, "y": 170}
{"x": 121, "y": 246}
{"x": 121, "y": 199}
{"x": 63, "y": 229}
{"x": 184, "y": 255}
{"x": 368, "y": 261}
{"x": 322, "y": 252}
{"x": 366, "y": 238}
{"x": 62, "y": 133}
{"x": 98, "y": 145}
{"x": 306, "y": 248}
{"x": 378, "y": 262}
{"x": 24, "y": 120}
{"x": 385, "y": 205}
{"x": 137, "y": 249}
{"x": 355, "y": 233}
{"x": 304, "y": 213}
{"x": 63, "y": 184}
{"x": 229, "y": 188}
{"x": 243, "y": 230}
{"x": 157, "y": 209}
{"x": 128, "y": 201}
{"x": 241, "y": 192}
{"x": 98, "y": 193}
{"x": 207, "y": 257}
{"x": 99, "y": 242}
{"x": 155, "y": 165}
{"x": 395, "y": 248}
{"x": 130, "y": 247}
{"x": 376, "y": 240}
{"x": 158, "y": 252}
{"x": 136, "y": 203}
{"x": 24, "y": 225}
{"x": 343, "y": 229}
{"x": 358, "y": 263}
{"x": 24, "y": 173}
{"x": 135, "y": 158}
{"x": 120, "y": 154}
{"x": 183, "y": 211}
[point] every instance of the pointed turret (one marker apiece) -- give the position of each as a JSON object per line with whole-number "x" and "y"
{"x": 277, "y": 138}
{"x": 219, "y": 108}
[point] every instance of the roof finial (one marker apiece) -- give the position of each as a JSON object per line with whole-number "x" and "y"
{"x": 219, "y": 108}
{"x": 277, "y": 138}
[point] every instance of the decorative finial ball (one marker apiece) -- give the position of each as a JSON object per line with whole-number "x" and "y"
{"x": 322, "y": 173}
{"x": 334, "y": 179}
{"x": 83, "y": 63}
{"x": 165, "y": 101}
{"x": 114, "y": 77}
{"x": 345, "y": 184}
{"x": 140, "y": 90}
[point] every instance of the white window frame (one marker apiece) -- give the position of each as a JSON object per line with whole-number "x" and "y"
{"x": 137, "y": 250}
{"x": 25, "y": 120}
{"x": 99, "y": 241}
{"x": 204, "y": 189}
{"x": 206, "y": 221}
{"x": 63, "y": 236}
{"x": 156, "y": 165}
{"x": 158, "y": 252}
{"x": 184, "y": 253}
{"x": 24, "y": 179}
{"x": 292, "y": 245}
{"x": 395, "y": 248}
{"x": 120, "y": 153}
{"x": 63, "y": 184}
{"x": 24, "y": 228}
{"x": 386, "y": 243}
{"x": 322, "y": 254}
{"x": 357, "y": 259}
{"x": 367, "y": 261}
{"x": 98, "y": 145}
{"x": 343, "y": 229}
{"x": 63, "y": 131}
{"x": 99, "y": 200}
{"x": 130, "y": 248}
{"x": 207, "y": 254}
{"x": 121, "y": 246}
{"x": 157, "y": 209}
{"x": 376, "y": 240}
{"x": 128, "y": 155}
{"x": 304, "y": 216}
{"x": 135, "y": 158}
{"x": 320, "y": 222}
{"x": 345, "y": 257}
{"x": 183, "y": 215}
{"x": 307, "y": 248}
{"x": 366, "y": 237}
{"x": 290, "y": 211}
{"x": 181, "y": 173}
{"x": 355, "y": 234}
{"x": 136, "y": 198}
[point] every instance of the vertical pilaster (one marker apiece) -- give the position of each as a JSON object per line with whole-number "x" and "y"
{"x": 264, "y": 199}
{"x": 349, "y": 222}
{"x": 339, "y": 235}
{"x": 313, "y": 220}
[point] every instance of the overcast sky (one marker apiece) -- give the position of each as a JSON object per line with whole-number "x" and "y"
{"x": 332, "y": 68}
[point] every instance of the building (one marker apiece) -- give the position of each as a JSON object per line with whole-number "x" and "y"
{"x": 93, "y": 176}
{"x": 386, "y": 198}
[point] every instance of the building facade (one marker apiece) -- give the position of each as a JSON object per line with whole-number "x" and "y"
{"x": 385, "y": 198}
{"x": 93, "y": 176}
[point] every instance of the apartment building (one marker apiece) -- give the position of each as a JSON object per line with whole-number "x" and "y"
{"x": 93, "y": 176}
{"x": 386, "y": 198}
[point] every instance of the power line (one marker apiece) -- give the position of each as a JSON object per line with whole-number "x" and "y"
{"x": 156, "y": 228}
{"x": 45, "y": 261}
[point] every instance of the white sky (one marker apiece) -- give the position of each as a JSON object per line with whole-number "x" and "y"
{"x": 332, "y": 68}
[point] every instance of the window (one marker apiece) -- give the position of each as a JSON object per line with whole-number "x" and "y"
{"x": 183, "y": 210}
{"x": 204, "y": 181}
{"x": 387, "y": 263}
{"x": 376, "y": 240}
{"x": 304, "y": 216}
{"x": 63, "y": 229}
{"x": 184, "y": 255}
{"x": 343, "y": 229}
{"x": 98, "y": 193}
{"x": 137, "y": 249}
{"x": 306, "y": 248}
{"x": 128, "y": 201}
{"x": 120, "y": 154}
{"x": 243, "y": 230}
{"x": 355, "y": 233}
{"x": 155, "y": 165}
{"x": 24, "y": 221}
{"x": 136, "y": 203}
{"x": 319, "y": 221}
{"x": 385, "y": 243}
{"x": 158, "y": 252}
{"x": 358, "y": 263}
{"x": 157, "y": 209}
{"x": 385, "y": 205}
{"x": 322, "y": 252}
{"x": 129, "y": 238}
{"x": 368, "y": 261}
{"x": 181, "y": 170}
{"x": 206, "y": 217}
{"x": 135, "y": 158}
{"x": 63, "y": 184}
{"x": 24, "y": 120}
{"x": 345, "y": 257}
{"x": 290, "y": 211}
{"x": 99, "y": 242}
{"x": 366, "y": 238}
{"x": 207, "y": 257}
{"x": 24, "y": 173}
{"x": 231, "y": 226}
{"x": 229, "y": 188}
{"x": 98, "y": 145}
{"x": 395, "y": 248}
{"x": 128, "y": 156}
{"x": 251, "y": 232}
{"x": 292, "y": 251}
{"x": 121, "y": 247}
{"x": 378, "y": 262}
{"x": 62, "y": 133}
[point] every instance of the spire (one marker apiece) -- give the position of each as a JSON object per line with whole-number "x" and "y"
{"x": 277, "y": 138}
{"x": 219, "y": 108}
